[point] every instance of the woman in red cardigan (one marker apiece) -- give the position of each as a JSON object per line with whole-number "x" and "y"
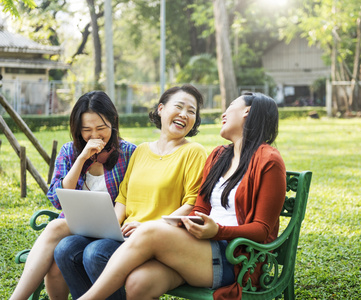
{"x": 242, "y": 194}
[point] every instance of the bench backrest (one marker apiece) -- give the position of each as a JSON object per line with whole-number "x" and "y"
{"x": 278, "y": 256}
{"x": 294, "y": 207}
{"x": 298, "y": 185}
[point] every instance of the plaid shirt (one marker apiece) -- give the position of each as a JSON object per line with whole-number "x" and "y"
{"x": 113, "y": 177}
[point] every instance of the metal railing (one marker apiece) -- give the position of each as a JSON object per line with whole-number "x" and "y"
{"x": 58, "y": 97}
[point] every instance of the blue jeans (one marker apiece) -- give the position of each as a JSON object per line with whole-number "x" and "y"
{"x": 81, "y": 260}
{"x": 223, "y": 271}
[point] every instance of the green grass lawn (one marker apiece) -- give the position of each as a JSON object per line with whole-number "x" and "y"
{"x": 328, "y": 262}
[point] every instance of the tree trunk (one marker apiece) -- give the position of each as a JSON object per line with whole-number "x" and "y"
{"x": 335, "y": 101}
{"x": 85, "y": 35}
{"x": 354, "y": 98}
{"x": 96, "y": 42}
{"x": 193, "y": 34}
{"x": 227, "y": 78}
{"x": 342, "y": 98}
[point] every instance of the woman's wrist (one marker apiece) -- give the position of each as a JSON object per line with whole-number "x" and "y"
{"x": 80, "y": 159}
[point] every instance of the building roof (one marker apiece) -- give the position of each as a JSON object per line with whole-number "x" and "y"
{"x": 15, "y": 43}
{"x": 32, "y": 63}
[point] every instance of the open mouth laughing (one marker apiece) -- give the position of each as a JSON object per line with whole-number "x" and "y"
{"x": 180, "y": 123}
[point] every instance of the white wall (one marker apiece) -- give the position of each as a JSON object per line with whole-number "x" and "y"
{"x": 295, "y": 64}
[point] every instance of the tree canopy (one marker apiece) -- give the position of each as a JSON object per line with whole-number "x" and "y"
{"x": 11, "y": 6}
{"x": 190, "y": 35}
{"x": 191, "y": 50}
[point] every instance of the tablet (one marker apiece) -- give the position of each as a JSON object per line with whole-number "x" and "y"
{"x": 175, "y": 220}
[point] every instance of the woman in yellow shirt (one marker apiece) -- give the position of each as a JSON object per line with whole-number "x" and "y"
{"x": 162, "y": 178}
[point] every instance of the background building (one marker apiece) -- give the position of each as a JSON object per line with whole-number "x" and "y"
{"x": 295, "y": 67}
{"x": 24, "y": 68}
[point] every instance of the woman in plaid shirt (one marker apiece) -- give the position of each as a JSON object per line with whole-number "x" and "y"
{"x": 96, "y": 160}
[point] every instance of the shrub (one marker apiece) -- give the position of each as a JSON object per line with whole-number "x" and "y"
{"x": 58, "y": 122}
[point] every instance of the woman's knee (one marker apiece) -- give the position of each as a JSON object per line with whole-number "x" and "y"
{"x": 151, "y": 280}
{"x": 151, "y": 230}
{"x": 152, "y": 234}
{"x": 96, "y": 256}
{"x": 62, "y": 250}
{"x": 70, "y": 247}
{"x": 56, "y": 230}
{"x": 136, "y": 285}
{"x": 99, "y": 251}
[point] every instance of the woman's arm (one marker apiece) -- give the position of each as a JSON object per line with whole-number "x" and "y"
{"x": 193, "y": 174}
{"x": 127, "y": 228}
{"x": 201, "y": 205}
{"x": 120, "y": 212}
{"x": 63, "y": 163}
{"x": 66, "y": 174}
{"x": 93, "y": 146}
{"x": 70, "y": 180}
{"x": 184, "y": 210}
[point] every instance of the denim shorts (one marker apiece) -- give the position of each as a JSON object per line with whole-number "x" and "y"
{"x": 223, "y": 271}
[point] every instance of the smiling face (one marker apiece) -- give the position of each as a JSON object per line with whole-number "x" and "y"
{"x": 233, "y": 120}
{"x": 94, "y": 127}
{"x": 178, "y": 115}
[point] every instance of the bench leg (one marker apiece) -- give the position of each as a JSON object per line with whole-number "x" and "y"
{"x": 290, "y": 290}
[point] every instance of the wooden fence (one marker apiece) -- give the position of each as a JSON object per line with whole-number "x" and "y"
{"x": 25, "y": 163}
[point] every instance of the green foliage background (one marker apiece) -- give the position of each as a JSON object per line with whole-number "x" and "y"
{"x": 329, "y": 254}
{"x": 212, "y": 116}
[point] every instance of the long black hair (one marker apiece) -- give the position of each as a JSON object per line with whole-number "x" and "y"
{"x": 99, "y": 103}
{"x": 261, "y": 126}
{"x": 187, "y": 88}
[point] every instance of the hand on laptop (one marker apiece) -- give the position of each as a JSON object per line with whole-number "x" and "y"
{"x": 129, "y": 228}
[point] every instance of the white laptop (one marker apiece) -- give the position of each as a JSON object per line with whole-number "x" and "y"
{"x": 90, "y": 214}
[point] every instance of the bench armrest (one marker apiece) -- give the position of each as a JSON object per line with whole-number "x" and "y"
{"x": 21, "y": 256}
{"x": 44, "y": 212}
{"x": 258, "y": 253}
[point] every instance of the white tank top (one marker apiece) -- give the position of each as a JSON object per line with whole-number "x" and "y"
{"x": 222, "y": 216}
{"x": 95, "y": 183}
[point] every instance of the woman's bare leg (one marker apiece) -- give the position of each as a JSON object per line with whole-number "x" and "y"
{"x": 55, "y": 284}
{"x": 172, "y": 246}
{"x": 40, "y": 259}
{"x": 151, "y": 280}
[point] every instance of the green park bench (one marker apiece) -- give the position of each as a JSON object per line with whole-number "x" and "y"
{"x": 278, "y": 257}
{"x": 23, "y": 255}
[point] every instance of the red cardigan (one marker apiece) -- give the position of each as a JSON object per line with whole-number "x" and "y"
{"x": 258, "y": 201}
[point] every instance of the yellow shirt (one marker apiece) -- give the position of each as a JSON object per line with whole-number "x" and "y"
{"x": 154, "y": 186}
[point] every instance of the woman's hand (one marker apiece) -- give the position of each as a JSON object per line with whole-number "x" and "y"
{"x": 129, "y": 228}
{"x": 206, "y": 231}
{"x": 92, "y": 147}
